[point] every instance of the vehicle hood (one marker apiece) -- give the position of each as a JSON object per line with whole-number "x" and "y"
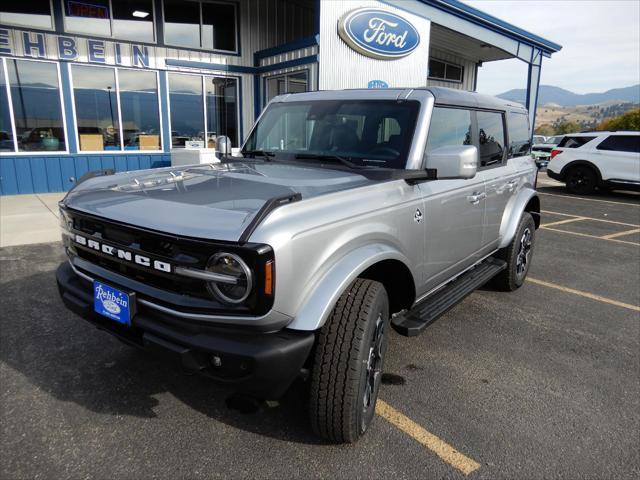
{"x": 212, "y": 201}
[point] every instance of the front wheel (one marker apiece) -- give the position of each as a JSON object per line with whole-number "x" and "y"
{"x": 517, "y": 255}
{"x": 348, "y": 361}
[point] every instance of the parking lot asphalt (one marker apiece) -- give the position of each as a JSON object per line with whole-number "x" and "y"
{"x": 542, "y": 382}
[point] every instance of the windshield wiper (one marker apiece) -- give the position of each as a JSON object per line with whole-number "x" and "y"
{"x": 330, "y": 156}
{"x": 266, "y": 155}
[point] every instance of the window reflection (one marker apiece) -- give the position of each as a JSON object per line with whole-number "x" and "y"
{"x": 90, "y": 18}
{"x": 218, "y": 26}
{"x": 133, "y": 20}
{"x": 140, "y": 117}
{"x": 182, "y": 23}
{"x": 449, "y": 126}
{"x": 221, "y": 109}
{"x": 96, "y": 108}
{"x": 186, "y": 107}
{"x": 6, "y": 131}
{"x": 35, "y": 97}
{"x": 32, "y": 13}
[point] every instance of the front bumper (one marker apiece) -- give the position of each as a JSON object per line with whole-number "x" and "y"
{"x": 260, "y": 364}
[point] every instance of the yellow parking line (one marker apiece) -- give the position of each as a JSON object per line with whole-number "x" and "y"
{"x": 542, "y": 227}
{"x": 589, "y": 199}
{"x": 441, "y": 448}
{"x": 590, "y": 218}
{"x": 562, "y": 222}
{"x": 620, "y": 234}
{"x": 592, "y": 296}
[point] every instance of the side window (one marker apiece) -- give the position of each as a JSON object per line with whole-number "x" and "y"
{"x": 491, "y": 138}
{"x": 621, "y": 143}
{"x": 519, "y": 134}
{"x": 574, "y": 142}
{"x": 449, "y": 126}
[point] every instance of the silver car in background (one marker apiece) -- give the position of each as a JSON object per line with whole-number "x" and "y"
{"x": 349, "y": 212}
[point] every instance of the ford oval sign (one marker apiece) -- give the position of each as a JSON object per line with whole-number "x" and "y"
{"x": 378, "y": 33}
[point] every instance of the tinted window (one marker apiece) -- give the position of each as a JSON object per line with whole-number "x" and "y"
{"x": 445, "y": 71}
{"x": 91, "y": 18}
{"x": 6, "y": 131}
{"x": 96, "y": 105}
{"x": 519, "y": 134}
{"x": 218, "y": 26}
{"x": 35, "y": 97}
{"x": 290, "y": 83}
{"x": 186, "y": 107}
{"x": 449, "y": 126}
{"x": 32, "y": 13}
{"x": 140, "y": 116}
{"x": 554, "y": 140}
{"x": 490, "y": 138}
{"x": 222, "y": 108}
{"x": 207, "y": 25}
{"x": 621, "y": 143}
{"x": 374, "y": 132}
{"x": 574, "y": 142}
{"x": 133, "y": 20}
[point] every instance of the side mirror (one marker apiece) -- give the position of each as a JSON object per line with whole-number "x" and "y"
{"x": 223, "y": 146}
{"x": 455, "y": 161}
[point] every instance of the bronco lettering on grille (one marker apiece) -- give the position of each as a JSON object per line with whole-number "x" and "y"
{"x": 122, "y": 254}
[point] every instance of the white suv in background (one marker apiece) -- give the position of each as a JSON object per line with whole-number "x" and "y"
{"x": 586, "y": 161}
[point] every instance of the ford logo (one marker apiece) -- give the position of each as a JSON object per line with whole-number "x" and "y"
{"x": 378, "y": 33}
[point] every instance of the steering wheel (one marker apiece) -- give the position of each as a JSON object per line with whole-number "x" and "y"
{"x": 384, "y": 151}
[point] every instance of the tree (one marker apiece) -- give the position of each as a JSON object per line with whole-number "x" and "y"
{"x": 567, "y": 127}
{"x": 546, "y": 130}
{"x": 628, "y": 121}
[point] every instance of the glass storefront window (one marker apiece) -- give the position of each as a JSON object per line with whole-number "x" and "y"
{"x": 32, "y": 13}
{"x": 133, "y": 20}
{"x": 182, "y": 23}
{"x": 6, "y": 130}
{"x": 37, "y": 110}
{"x": 206, "y": 25}
{"x": 97, "y": 116}
{"x": 187, "y": 106}
{"x": 296, "y": 82}
{"x": 125, "y": 19}
{"x": 140, "y": 116}
{"x": 90, "y": 18}
{"x": 187, "y": 109}
{"x": 221, "y": 109}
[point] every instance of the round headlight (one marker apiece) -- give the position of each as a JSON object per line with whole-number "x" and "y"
{"x": 237, "y": 286}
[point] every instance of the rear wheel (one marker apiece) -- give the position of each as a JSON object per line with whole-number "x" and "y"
{"x": 517, "y": 255}
{"x": 581, "y": 180}
{"x": 347, "y": 368}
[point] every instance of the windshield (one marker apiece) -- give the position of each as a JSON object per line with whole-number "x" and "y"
{"x": 374, "y": 133}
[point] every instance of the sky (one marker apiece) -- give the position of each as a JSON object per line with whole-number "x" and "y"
{"x": 600, "y": 44}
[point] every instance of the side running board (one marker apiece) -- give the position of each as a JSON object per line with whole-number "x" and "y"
{"x": 411, "y": 323}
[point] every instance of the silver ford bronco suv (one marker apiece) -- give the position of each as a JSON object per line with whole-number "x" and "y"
{"x": 347, "y": 214}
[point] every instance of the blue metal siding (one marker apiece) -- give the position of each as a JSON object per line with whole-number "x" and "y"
{"x": 52, "y": 173}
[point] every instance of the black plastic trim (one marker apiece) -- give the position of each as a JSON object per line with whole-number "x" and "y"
{"x": 265, "y": 210}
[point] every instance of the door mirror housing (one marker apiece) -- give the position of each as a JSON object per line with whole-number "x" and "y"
{"x": 454, "y": 162}
{"x": 223, "y": 146}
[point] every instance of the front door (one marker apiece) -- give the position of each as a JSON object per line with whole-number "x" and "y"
{"x": 454, "y": 209}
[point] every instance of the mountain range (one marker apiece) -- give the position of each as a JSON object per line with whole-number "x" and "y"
{"x": 550, "y": 94}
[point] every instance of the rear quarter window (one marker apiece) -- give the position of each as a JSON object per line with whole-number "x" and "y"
{"x": 574, "y": 142}
{"x": 519, "y": 134}
{"x": 621, "y": 143}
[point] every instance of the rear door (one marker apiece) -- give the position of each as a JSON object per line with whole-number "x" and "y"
{"x": 500, "y": 177}
{"x": 618, "y": 157}
{"x": 454, "y": 209}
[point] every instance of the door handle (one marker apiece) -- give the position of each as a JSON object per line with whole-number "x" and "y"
{"x": 476, "y": 197}
{"x": 511, "y": 185}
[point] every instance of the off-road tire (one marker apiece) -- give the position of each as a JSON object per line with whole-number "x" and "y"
{"x": 511, "y": 278}
{"x": 581, "y": 180}
{"x": 340, "y": 377}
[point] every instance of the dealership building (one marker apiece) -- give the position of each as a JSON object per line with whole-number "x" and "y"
{"x": 123, "y": 84}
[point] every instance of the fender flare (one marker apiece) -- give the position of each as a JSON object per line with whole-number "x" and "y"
{"x": 512, "y": 214}
{"x": 318, "y": 305}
